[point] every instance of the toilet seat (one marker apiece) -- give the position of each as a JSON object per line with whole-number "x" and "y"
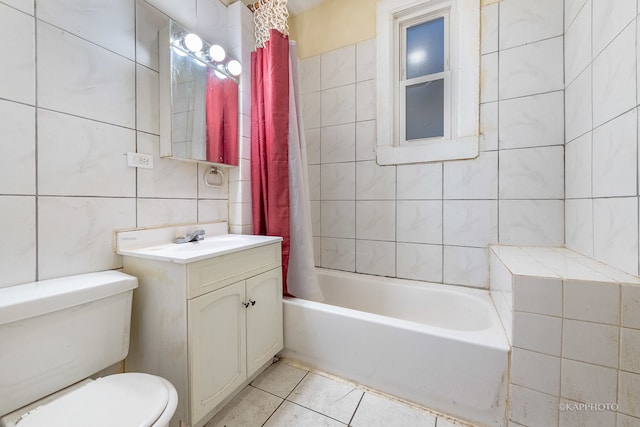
{"x": 124, "y": 400}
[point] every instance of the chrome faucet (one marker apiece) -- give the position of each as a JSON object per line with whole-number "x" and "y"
{"x": 194, "y": 236}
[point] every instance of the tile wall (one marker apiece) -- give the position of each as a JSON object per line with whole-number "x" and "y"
{"x": 434, "y": 221}
{"x": 601, "y": 80}
{"x": 573, "y": 324}
{"x": 78, "y": 89}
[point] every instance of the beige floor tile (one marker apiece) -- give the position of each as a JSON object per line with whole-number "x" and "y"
{"x": 279, "y": 379}
{"x": 379, "y": 411}
{"x": 250, "y": 408}
{"x": 327, "y": 396}
{"x": 292, "y": 415}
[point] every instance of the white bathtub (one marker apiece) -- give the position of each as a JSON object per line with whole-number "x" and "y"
{"x": 440, "y": 346}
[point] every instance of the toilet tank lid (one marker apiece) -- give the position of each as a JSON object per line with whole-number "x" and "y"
{"x": 37, "y": 298}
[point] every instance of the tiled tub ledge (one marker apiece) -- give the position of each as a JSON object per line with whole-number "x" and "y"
{"x": 574, "y": 327}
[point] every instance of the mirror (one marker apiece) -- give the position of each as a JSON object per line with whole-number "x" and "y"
{"x": 198, "y": 99}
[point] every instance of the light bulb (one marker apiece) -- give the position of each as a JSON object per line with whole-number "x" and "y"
{"x": 234, "y": 67}
{"x": 193, "y": 42}
{"x": 178, "y": 51}
{"x": 216, "y": 52}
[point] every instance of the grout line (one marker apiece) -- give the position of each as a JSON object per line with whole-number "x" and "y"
{"x": 356, "y": 409}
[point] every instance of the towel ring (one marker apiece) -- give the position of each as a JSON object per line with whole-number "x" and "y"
{"x": 215, "y": 172}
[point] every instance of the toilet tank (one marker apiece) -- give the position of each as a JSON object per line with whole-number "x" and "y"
{"x": 56, "y": 332}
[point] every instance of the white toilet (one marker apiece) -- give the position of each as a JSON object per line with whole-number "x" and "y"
{"x": 54, "y": 334}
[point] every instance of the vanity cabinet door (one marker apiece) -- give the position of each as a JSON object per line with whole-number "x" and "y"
{"x": 217, "y": 347}
{"x": 264, "y": 318}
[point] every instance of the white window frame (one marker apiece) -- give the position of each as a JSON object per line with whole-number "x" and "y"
{"x": 462, "y": 92}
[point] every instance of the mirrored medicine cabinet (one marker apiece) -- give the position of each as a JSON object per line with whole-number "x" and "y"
{"x": 198, "y": 99}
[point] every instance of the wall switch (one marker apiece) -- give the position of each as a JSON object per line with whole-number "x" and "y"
{"x": 140, "y": 160}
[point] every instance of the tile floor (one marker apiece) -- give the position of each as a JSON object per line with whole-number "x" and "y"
{"x": 288, "y": 394}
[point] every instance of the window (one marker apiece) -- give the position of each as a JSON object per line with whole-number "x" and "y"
{"x": 428, "y": 80}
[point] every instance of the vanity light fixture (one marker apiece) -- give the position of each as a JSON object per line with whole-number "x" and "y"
{"x": 216, "y": 52}
{"x": 234, "y": 68}
{"x": 192, "y": 42}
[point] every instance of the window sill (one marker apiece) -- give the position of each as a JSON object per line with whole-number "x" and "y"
{"x": 462, "y": 148}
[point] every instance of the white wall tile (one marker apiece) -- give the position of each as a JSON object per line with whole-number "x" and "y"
{"x": 419, "y": 221}
{"x": 629, "y": 345}
{"x": 532, "y": 121}
{"x": 366, "y": 140}
{"x": 470, "y": 222}
{"x": 630, "y": 306}
{"x": 316, "y": 218}
{"x": 590, "y": 342}
{"x": 148, "y": 21}
{"x": 609, "y": 18}
{"x": 578, "y": 106}
{"x": 314, "y": 182}
{"x": 18, "y": 259}
{"x": 375, "y": 182}
{"x": 578, "y": 161}
{"x": 532, "y": 173}
{"x": 366, "y": 60}
{"x": 574, "y": 417}
{"x": 17, "y": 82}
{"x": 592, "y": 301}
{"x": 313, "y": 139}
{"x": 629, "y": 390}
{"x": 310, "y": 75}
{"x": 27, "y": 6}
{"x": 147, "y": 100}
{"x": 579, "y": 226}
{"x": 472, "y": 179}
{"x": 489, "y": 26}
{"x": 585, "y": 382}
{"x": 338, "y": 219}
{"x": 366, "y": 100}
{"x": 213, "y": 210}
{"x": 489, "y": 126}
{"x": 537, "y": 333}
{"x": 311, "y": 109}
{"x": 339, "y": 254}
{"x": 532, "y": 408}
{"x": 577, "y": 42}
{"x": 615, "y": 236}
{"x": 419, "y": 262}
{"x": 532, "y": 222}
{"x": 160, "y": 212}
{"x": 420, "y": 181}
{"x": 527, "y": 22}
{"x": 466, "y": 266}
{"x": 489, "y": 80}
{"x": 338, "y": 67}
{"x": 572, "y": 8}
{"x": 110, "y": 25}
{"x": 168, "y": 178}
{"x": 376, "y": 220}
{"x": 77, "y": 77}
{"x": 338, "y": 181}
{"x": 614, "y": 78}
{"x": 532, "y": 68}
{"x": 338, "y": 105}
{"x": 80, "y": 157}
{"x": 376, "y": 257}
{"x": 338, "y": 143}
{"x": 18, "y": 147}
{"x": 536, "y": 371}
{"x": 75, "y": 233}
{"x": 242, "y": 190}
{"x": 537, "y": 295}
{"x": 615, "y": 155}
{"x": 184, "y": 12}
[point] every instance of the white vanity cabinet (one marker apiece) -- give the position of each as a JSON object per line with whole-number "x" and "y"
{"x": 208, "y": 326}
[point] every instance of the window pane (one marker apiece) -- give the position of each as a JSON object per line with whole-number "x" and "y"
{"x": 425, "y": 110}
{"x": 425, "y": 48}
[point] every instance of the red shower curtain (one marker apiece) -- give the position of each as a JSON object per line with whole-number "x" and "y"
{"x": 221, "y": 118}
{"x": 269, "y": 142}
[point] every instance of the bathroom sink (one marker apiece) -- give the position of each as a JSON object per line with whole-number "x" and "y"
{"x": 202, "y": 249}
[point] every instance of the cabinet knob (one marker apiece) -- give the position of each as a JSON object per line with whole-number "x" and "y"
{"x": 247, "y": 304}
{"x": 252, "y": 302}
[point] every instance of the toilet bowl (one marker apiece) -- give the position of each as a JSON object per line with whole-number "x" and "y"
{"x": 56, "y": 334}
{"x": 122, "y": 400}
